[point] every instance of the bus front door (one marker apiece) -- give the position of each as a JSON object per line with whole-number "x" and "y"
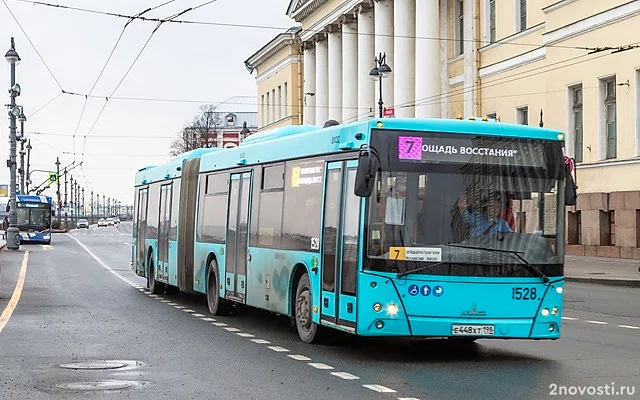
{"x": 163, "y": 232}
{"x": 141, "y": 231}
{"x": 237, "y": 236}
{"x": 340, "y": 246}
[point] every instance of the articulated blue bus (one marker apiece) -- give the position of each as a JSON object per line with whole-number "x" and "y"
{"x": 386, "y": 227}
{"x": 34, "y": 218}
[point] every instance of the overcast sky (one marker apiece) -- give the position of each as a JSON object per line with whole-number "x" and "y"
{"x": 198, "y": 63}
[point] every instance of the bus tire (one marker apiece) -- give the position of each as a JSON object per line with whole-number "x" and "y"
{"x": 172, "y": 290}
{"x": 308, "y": 330}
{"x": 155, "y": 287}
{"x": 216, "y": 305}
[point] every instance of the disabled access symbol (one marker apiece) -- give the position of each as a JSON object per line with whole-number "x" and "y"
{"x": 413, "y": 290}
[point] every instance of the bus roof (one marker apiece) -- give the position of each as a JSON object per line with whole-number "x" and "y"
{"x": 310, "y": 140}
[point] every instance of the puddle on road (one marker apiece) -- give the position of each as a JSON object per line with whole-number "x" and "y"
{"x": 100, "y": 385}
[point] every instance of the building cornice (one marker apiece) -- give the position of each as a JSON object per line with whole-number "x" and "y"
{"x": 513, "y": 62}
{"x": 274, "y": 46}
{"x": 301, "y": 9}
{"x": 556, "y": 5}
{"x": 279, "y": 66}
{"x": 513, "y": 37}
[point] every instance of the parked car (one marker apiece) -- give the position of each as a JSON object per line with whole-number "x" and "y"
{"x": 102, "y": 222}
{"x": 82, "y": 223}
{"x": 110, "y": 222}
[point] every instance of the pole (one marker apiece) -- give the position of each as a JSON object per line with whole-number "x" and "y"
{"x": 22, "y": 154}
{"x": 58, "y": 202}
{"x": 104, "y": 204}
{"x": 77, "y": 200}
{"x": 84, "y": 214}
{"x": 65, "y": 198}
{"x": 380, "y": 102}
{"x": 71, "y": 201}
{"x": 13, "y": 233}
{"x": 28, "y": 166}
{"x": 91, "y": 201}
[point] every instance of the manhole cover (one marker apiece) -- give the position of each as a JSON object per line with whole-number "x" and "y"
{"x": 94, "y": 365}
{"x": 97, "y": 385}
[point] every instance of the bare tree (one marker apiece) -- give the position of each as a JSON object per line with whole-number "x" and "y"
{"x": 201, "y": 132}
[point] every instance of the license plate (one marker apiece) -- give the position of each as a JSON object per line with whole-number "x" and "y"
{"x": 472, "y": 330}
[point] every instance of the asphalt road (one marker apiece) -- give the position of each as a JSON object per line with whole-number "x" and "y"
{"x": 83, "y": 304}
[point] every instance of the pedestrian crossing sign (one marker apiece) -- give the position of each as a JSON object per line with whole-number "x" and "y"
{"x": 53, "y": 177}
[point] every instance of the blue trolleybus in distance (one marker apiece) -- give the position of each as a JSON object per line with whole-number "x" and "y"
{"x": 387, "y": 227}
{"x": 34, "y": 218}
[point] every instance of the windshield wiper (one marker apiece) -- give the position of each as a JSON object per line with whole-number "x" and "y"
{"x": 411, "y": 271}
{"x": 531, "y": 268}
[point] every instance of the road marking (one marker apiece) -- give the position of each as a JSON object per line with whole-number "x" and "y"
{"x": 260, "y": 341}
{"x": 596, "y": 322}
{"x": 165, "y": 301}
{"x": 179, "y": 307}
{"x": 231, "y": 329}
{"x": 569, "y": 318}
{"x": 380, "y": 388}
{"x": 188, "y": 310}
{"x": 152, "y": 295}
{"x": 408, "y": 398}
{"x": 219, "y": 324}
{"x": 17, "y": 292}
{"x": 320, "y": 366}
{"x": 172, "y": 304}
{"x": 629, "y": 326}
{"x": 299, "y": 357}
{"x": 245, "y": 334}
{"x": 208, "y": 319}
{"x": 278, "y": 349}
{"x": 345, "y": 375}
{"x": 198, "y": 315}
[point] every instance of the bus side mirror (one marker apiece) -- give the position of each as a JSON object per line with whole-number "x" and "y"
{"x": 571, "y": 190}
{"x": 368, "y": 165}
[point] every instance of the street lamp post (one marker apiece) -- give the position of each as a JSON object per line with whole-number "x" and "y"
{"x": 28, "y": 166}
{"x": 22, "y": 119}
{"x": 380, "y": 70}
{"x": 13, "y": 233}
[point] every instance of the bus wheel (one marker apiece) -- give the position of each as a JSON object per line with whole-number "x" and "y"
{"x": 172, "y": 290}
{"x": 308, "y": 331}
{"x": 217, "y": 306}
{"x": 155, "y": 287}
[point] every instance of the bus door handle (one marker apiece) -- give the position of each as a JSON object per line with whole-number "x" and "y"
{"x": 249, "y": 257}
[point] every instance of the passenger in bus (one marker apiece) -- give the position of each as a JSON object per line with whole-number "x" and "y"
{"x": 488, "y": 220}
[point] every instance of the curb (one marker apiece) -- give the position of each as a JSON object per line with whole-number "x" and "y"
{"x": 608, "y": 282}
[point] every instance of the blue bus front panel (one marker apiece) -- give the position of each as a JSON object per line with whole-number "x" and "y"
{"x": 524, "y": 308}
{"x": 35, "y": 237}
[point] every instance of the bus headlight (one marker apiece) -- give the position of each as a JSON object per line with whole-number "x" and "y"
{"x": 545, "y": 312}
{"x": 554, "y": 311}
{"x": 377, "y": 307}
{"x": 559, "y": 289}
{"x": 392, "y": 309}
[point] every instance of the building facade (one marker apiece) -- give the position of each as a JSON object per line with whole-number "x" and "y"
{"x": 572, "y": 65}
{"x": 235, "y": 119}
{"x": 279, "y": 77}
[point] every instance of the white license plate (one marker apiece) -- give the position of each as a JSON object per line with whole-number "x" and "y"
{"x": 472, "y": 330}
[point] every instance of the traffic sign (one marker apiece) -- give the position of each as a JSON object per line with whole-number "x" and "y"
{"x": 389, "y": 112}
{"x": 53, "y": 177}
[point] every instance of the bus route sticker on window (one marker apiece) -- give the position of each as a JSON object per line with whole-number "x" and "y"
{"x": 425, "y": 254}
{"x": 409, "y": 148}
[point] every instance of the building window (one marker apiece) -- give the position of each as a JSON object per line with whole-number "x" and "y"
{"x": 576, "y": 122}
{"x": 459, "y": 24}
{"x": 522, "y": 115}
{"x": 231, "y": 120}
{"x": 268, "y": 117}
{"x": 262, "y": 114}
{"x": 286, "y": 100}
{"x": 607, "y": 228}
{"x": 492, "y": 21}
{"x": 273, "y": 105}
{"x": 610, "y": 116}
{"x": 279, "y": 102}
{"x": 574, "y": 225}
{"x": 521, "y": 15}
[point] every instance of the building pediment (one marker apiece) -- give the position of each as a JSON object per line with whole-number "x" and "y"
{"x": 301, "y": 9}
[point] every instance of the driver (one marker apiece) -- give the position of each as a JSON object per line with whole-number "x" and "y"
{"x": 488, "y": 220}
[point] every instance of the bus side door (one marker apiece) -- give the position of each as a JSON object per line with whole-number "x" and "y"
{"x": 340, "y": 245}
{"x": 237, "y": 237}
{"x": 141, "y": 229}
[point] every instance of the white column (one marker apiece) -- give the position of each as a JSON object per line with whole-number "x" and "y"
{"x": 322, "y": 82}
{"x": 309, "y": 86}
{"x": 404, "y": 48}
{"x": 349, "y": 72}
{"x": 384, "y": 44}
{"x": 469, "y": 60}
{"x": 335, "y": 76}
{"x": 427, "y": 59}
{"x": 366, "y": 54}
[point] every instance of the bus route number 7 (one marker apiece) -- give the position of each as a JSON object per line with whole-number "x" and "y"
{"x": 398, "y": 253}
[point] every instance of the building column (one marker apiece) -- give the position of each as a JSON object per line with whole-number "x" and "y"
{"x": 322, "y": 82}
{"x": 404, "y": 48}
{"x": 349, "y": 70}
{"x": 366, "y": 54}
{"x": 470, "y": 70}
{"x": 384, "y": 44}
{"x": 335, "y": 74}
{"x": 309, "y": 86}
{"x": 427, "y": 64}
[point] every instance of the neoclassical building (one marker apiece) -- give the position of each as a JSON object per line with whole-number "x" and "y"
{"x": 572, "y": 65}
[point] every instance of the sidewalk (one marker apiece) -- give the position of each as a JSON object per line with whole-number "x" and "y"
{"x": 604, "y": 271}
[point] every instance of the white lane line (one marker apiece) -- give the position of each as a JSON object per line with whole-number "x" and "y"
{"x": 179, "y": 307}
{"x": 408, "y": 398}
{"x": 231, "y": 329}
{"x": 569, "y": 318}
{"x": 219, "y": 324}
{"x": 172, "y": 304}
{"x": 260, "y": 341}
{"x": 320, "y": 366}
{"x": 188, "y": 310}
{"x": 165, "y": 301}
{"x": 629, "y": 326}
{"x": 345, "y": 375}
{"x": 379, "y": 388}
{"x": 208, "y": 319}
{"x": 245, "y": 334}
{"x": 299, "y": 357}
{"x": 278, "y": 349}
{"x": 198, "y": 315}
{"x": 596, "y": 322}
{"x": 141, "y": 289}
{"x": 152, "y": 295}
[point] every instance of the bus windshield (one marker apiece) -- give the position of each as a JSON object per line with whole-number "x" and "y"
{"x": 474, "y": 205}
{"x": 34, "y": 217}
